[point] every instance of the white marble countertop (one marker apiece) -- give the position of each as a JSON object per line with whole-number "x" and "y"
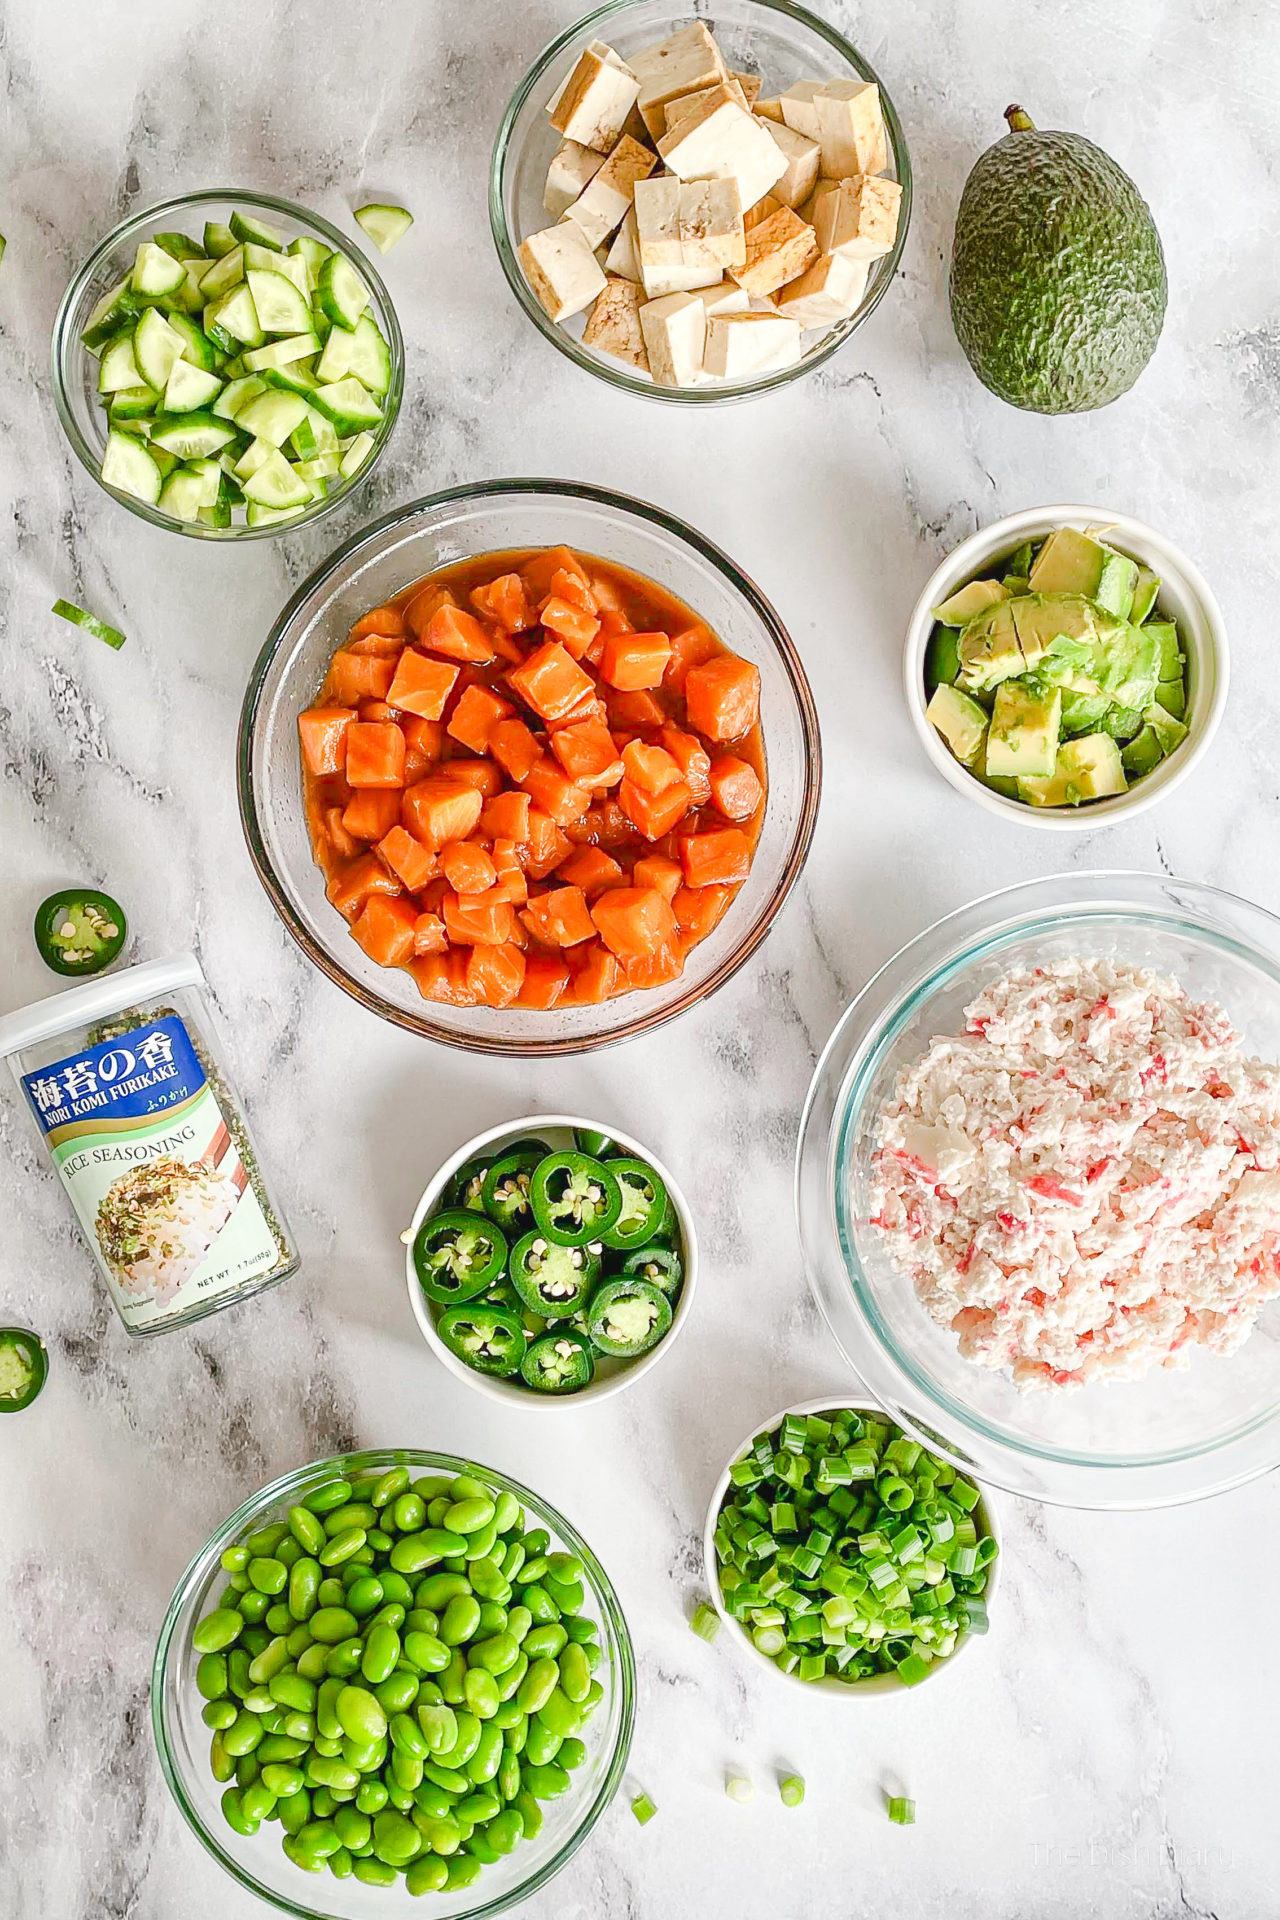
{"x": 1112, "y": 1749}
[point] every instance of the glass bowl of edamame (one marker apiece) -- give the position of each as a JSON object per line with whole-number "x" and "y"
{"x": 366, "y": 1620}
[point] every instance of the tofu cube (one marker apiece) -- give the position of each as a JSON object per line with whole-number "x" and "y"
{"x": 623, "y": 260}
{"x": 675, "y": 331}
{"x": 740, "y": 346}
{"x": 769, "y": 109}
{"x": 657, "y": 207}
{"x": 761, "y": 211}
{"x": 711, "y": 230}
{"x": 798, "y": 109}
{"x": 724, "y": 298}
{"x": 604, "y": 203}
{"x": 851, "y": 129}
{"x": 858, "y": 217}
{"x": 803, "y": 157}
{"x": 720, "y": 140}
{"x": 778, "y": 250}
{"x": 687, "y": 60}
{"x": 750, "y": 83}
{"x": 660, "y": 281}
{"x": 572, "y": 168}
{"x": 675, "y": 110}
{"x": 595, "y": 100}
{"x": 827, "y": 292}
{"x": 562, "y": 269}
{"x": 613, "y": 325}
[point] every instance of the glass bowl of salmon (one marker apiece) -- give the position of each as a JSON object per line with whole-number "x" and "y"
{"x": 529, "y": 767}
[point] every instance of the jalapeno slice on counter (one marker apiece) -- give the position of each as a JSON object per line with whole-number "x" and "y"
{"x": 560, "y": 1362}
{"x": 457, "y": 1254}
{"x": 466, "y": 1189}
{"x": 599, "y": 1145}
{"x": 24, "y": 1366}
{"x": 553, "y": 1280}
{"x": 575, "y": 1198}
{"x": 660, "y": 1266}
{"x": 627, "y": 1317}
{"x": 644, "y": 1205}
{"x": 486, "y": 1338}
{"x": 80, "y": 931}
{"x": 505, "y": 1194}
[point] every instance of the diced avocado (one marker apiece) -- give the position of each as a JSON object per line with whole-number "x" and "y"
{"x": 1172, "y": 696}
{"x": 960, "y": 720}
{"x": 1023, "y": 739}
{"x": 1041, "y": 619}
{"x": 1169, "y": 651}
{"x": 1122, "y": 723}
{"x": 1144, "y": 595}
{"x": 1018, "y": 565}
{"x": 1168, "y": 730}
{"x": 942, "y": 658}
{"x": 1017, "y": 583}
{"x": 1083, "y": 712}
{"x": 1091, "y": 766}
{"x": 998, "y": 783}
{"x": 1072, "y": 562}
{"x": 1130, "y": 667}
{"x": 1142, "y": 754}
{"x": 989, "y": 650}
{"x": 966, "y": 604}
{"x": 1052, "y": 792}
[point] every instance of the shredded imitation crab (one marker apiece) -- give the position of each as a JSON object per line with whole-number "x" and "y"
{"x": 1086, "y": 1183}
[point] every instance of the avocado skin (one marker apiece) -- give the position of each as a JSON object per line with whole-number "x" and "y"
{"x": 1058, "y": 285}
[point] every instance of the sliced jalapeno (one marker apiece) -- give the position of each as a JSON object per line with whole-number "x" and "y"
{"x": 599, "y": 1145}
{"x": 560, "y": 1362}
{"x": 644, "y": 1205}
{"x": 458, "y": 1254}
{"x": 551, "y": 1279}
{"x": 504, "y": 1297}
{"x": 79, "y": 932}
{"x": 627, "y": 1317}
{"x": 466, "y": 1187}
{"x": 505, "y": 1194}
{"x": 574, "y": 1197}
{"x": 660, "y": 1266}
{"x": 486, "y": 1338}
{"x": 24, "y": 1365}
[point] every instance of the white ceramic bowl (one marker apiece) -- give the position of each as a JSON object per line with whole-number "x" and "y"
{"x": 881, "y": 1685}
{"x": 1183, "y": 593}
{"x": 611, "y": 1376}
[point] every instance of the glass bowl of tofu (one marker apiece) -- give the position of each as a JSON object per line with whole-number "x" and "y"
{"x": 1064, "y": 666}
{"x": 227, "y": 365}
{"x": 700, "y": 209}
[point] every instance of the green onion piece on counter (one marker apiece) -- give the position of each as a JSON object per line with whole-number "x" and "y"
{"x": 643, "y": 1808}
{"x": 705, "y": 1622}
{"x": 902, "y": 1811}
{"x": 90, "y": 622}
{"x": 791, "y": 1789}
{"x": 384, "y": 225}
{"x": 3, "y": 244}
{"x": 739, "y": 1788}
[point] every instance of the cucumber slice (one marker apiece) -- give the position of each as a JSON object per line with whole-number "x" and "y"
{"x": 236, "y": 314}
{"x": 226, "y": 344}
{"x": 226, "y": 272}
{"x": 275, "y": 484}
{"x": 259, "y": 516}
{"x": 289, "y": 266}
{"x": 182, "y": 495}
{"x": 335, "y": 361}
{"x": 356, "y": 455}
{"x": 312, "y": 253}
{"x": 384, "y": 225}
{"x": 117, "y": 307}
{"x": 210, "y": 475}
{"x": 251, "y": 459}
{"x": 218, "y": 515}
{"x": 341, "y": 292}
{"x": 279, "y": 305}
{"x": 189, "y": 297}
{"x": 192, "y": 435}
{"x": 155, "y": 271}
{"x": 132, "y": 403}
{"x": 230, "y": 490}
{"x": 323, "y": 467}
{"x": 155, "y": 348}
{"x": 245, "y": 227}
{"x": 272, "y": 417}
{"x": 118, "y": 368}
{"x": 189, "y": 388}
{"x": 236, "y": 394}
{"x": 129, "y": 468}
{"x": 67, "y": 610}
{"x": 348, "y": 405}
{"x": 196, "y": 344}
{"x": 370, "y": 359}
{"x": 218, "y": 239}
{"x": 164, "y": 460}
{"x": 320, "y": 320}
{"x": 180, "y": 245}
{"x": 282, "y": 353}
{"x": 322, "y": 436}
{"x": 296, "y": 378}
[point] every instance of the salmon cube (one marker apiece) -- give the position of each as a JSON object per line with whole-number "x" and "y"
{"x": 635, "y": 712}
{"x": 587, "y": 754}
{"x": 541, "y": 571}
{"x": 735, "y": 787}
{"x": 635, "y": 661}
{"x": 372, "y": 812}
{"x": 547, "y": 845}
{"x": 385, "y": 929}
{"x": 477, "y": 920}
{"x": 458, "y": 635}
{"x": 699, "y": 909}
{"x": 421, "y": 685}
{"x": 572, "y": 626}
{"x": 443, "y": 977}
{"x": 353, "y": 886}
{"x": 598, "y": 977}
{"x": 652, "y": 769}
{"x": 559, "y": 918}
{"x": 592, "y": 869}
{"x": 475, "y": 716}
{"x": 322, "y": 735}
{"x": 354, "y": 677}
{"x": 375, "y": 754}
{"x": 654, "y": 814}
{"x": 545, "y": 982}
{"x": 655, "y": 870}
{"x": 551, "y": 681}
{"x": 382, "y": 623}
{"x": 411, "y": 862}
{"x": 693, "y": 761}
{"x": 719, "y": 858}
{"x": 514, "y": 748}
{"x": 467, "y": 867}
{"x": 549, "y": 790}
{"x": 689, "y": 649}
{"x": 419, "y": 612}
{"x": 505, "y": 602}
{"x": 722, "y": 697}
{"x": 440, "y": 808}
{"x": 634, "y": 922}
{"x": 429, "y": 934}
{"x": 506, "y": 817}
{"x": 510, "y": 882}
{"x": 495, "y": 974}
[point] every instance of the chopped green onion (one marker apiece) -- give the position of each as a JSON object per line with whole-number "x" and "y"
{"x": 384, "y": 225}
{"x": 791, "y": 1789}
{"x": 902, "y": 1811}
{"x": 705, "y": 1622}
{"x": 90, "y": 622}
{"x": 739, "y": 1788}
{"x": 643, "y": 1808}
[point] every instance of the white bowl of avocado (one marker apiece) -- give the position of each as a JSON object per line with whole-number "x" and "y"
{"x": 1066, "y": 665}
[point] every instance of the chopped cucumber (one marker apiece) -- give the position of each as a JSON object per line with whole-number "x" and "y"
{"x": 348, "y": 405}
{"x": 282, "y": 353}
{"x": 155, "y": 271}
{"x": 197, "y": 347}
{"x": 323, "y": 467}
{"x": 218, "y": 515}
{"x": 182, "y": 495}
{"x": 341, "y": 292}
{"x": 118, "y": 368}
{"x": 67, "y": 610}
{"x": 236, "y": 314}
{"x": 192, "y": 435}
{"x": 356, "y": 455}
{"x": 370, "y": 359}
{"x": 272, "y": 417}
{"x": 227, "y": 271}
{"x": 280, "y": 307}
{"x": 335, "y": 361}
{"x": 312, "y": 253}
{"x": 260, "y": 516}
{"x": 156, "y": 346}
{"x": 293, "y": 378}
{"x": 117, "y": 307}
{"x": 218, "y": 239}
{"x": 289, "y": 266}
{"x": 252, "y": 458}
{"x": 189, "y": 388}
{"x": 133, "y": 403}
{"x": 316, "y": 435}
{"x": 245, "y": 227}
{"x": 384, "y": 225}
{"x": 275, "y": 484}
{"x": 129, "y": 468}
{"x": 236, "y": 394}
{"x": 180, "y": 245}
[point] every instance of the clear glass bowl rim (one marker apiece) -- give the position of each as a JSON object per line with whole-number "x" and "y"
{"x": 565, "y": 342}
{"x": 364, "y": 1461}
{"x": 754, "y": 935}
{"x": 65, "y": 342}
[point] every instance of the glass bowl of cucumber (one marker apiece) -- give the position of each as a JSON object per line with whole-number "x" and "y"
{"x": 227, "y": 365}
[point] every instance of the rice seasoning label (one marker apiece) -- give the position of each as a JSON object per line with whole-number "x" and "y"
{"x": 153, "y": 1170}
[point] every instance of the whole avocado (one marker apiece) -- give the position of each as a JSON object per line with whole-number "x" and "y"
{"x": 1058, "y": 284}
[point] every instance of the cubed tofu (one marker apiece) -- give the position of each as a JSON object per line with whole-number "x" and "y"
{"x": 750, "y": 84}
{"x": 851, "y": 129}
{"x": 687, "y": 60}
{"x": 675, "y": 331}
{"x": 720, "y": 140}
{"x": 601, "y": 207}
{"x": 562, "y": 269}
{"x": 595, "y": 100}
{"x": 657, "y": 208}
{"x": 798, "y": 109}
{"x": 572, "y": 168}
{"x": 826, "y": 292}
{"x": 740, "y": 346}
{"x": 613, "y": 325}
{"x": 711, "y": 230}
{"x": 858, "y": 217}
{"x": 770, "y": 109}
{"x": 725, "y": 298}
{"x": 660, "y": 281}
{"x": 761, "y": 211}
{"x": 777, "y": 250}
{"x": 623, "y": 259}
{"x": 803, "y": 157}
{"x": 675, "y": 110}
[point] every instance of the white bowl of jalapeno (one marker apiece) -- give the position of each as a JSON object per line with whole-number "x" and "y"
{"x": 551, "y": 1261}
